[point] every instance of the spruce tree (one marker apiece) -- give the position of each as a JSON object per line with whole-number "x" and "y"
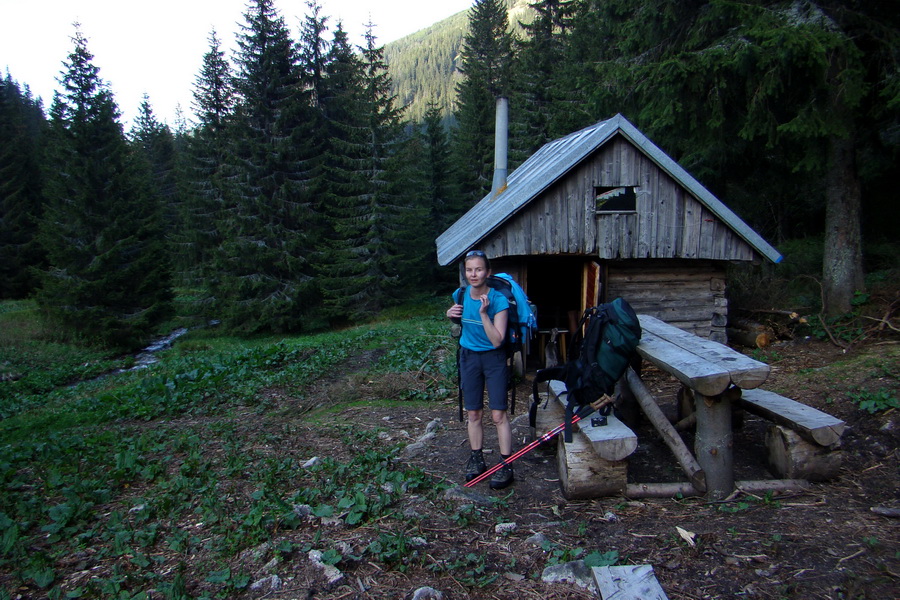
{"x": 198, "y": 236}
{"x": 396, "y": 239}
{"x": 108, "y": 277}
{"x": 359, "y": 265}
{"x": 22, "y": 125}
{"x": 543, "y": 99}
{"x": 154, "y": 142}
{"x": 263, "y": 279}
{"x": 442, "y": 199}
{"x": 340, "y": 265}
{"x": 779, "y": 95}
{"x": 486, "y": 63}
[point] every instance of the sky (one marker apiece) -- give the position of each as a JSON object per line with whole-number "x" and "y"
{"x": 157, "y": 47}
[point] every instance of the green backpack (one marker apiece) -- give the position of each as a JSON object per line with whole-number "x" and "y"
{"x": 600, "y": 357}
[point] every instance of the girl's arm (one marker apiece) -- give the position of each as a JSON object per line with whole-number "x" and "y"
{"x": 496, "y": 329}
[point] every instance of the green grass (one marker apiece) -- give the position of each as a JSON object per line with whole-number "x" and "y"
{"x": 123, "y": 467}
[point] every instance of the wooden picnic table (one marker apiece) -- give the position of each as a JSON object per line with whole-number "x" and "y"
{"x": 709, "y": 369}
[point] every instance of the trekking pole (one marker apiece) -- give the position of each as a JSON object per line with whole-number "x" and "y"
{"x": 583, "y": 412}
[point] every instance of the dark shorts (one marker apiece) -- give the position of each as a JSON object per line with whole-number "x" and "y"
{"x": 477, "y": 369}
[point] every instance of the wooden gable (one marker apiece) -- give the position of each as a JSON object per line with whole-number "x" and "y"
{"x": 668, "y": 221}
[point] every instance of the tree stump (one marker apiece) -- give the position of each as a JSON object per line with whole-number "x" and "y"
{"x": 583, "y": 474}
{"x": 792, "y": 457}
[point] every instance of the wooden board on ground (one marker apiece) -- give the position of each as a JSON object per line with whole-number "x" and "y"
{"x": 811, "y": 423}
{"x": 613, "y": 441}
{"x": 629, "y": 582}
{"x": 744, "y": 372}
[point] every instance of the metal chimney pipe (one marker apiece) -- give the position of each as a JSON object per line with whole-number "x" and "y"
{"x": 501, "y": 142}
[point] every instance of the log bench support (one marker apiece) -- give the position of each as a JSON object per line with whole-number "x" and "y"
{"x": 594, "y": 464}
{"x": 803, "y": 442}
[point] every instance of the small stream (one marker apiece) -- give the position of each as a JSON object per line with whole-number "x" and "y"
{"x": 147, "y": 356}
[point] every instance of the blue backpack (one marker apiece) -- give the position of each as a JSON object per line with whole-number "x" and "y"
{"x": 520, "y": 326}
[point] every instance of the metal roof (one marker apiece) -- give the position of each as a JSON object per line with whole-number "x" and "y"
{"x": 551, "y": 163}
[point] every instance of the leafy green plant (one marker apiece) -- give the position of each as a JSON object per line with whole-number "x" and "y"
{"x": 874, "y": 401}
{"x": 396, "y": 550}
{"x": 474, "y": 569}
{"x": 601, "y": 559}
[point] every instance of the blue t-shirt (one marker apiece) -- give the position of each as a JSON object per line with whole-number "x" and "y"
{"x": 473, "y": 336}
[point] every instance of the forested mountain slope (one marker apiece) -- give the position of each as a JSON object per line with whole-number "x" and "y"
{"x": 424, "y": 66}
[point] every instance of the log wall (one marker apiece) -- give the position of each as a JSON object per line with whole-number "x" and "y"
{"x": 687, "y": 294}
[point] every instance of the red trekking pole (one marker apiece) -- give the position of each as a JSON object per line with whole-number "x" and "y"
{"x": 583, "y": 412}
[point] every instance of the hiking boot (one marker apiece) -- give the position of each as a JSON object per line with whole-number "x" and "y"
{"x": 475, "y": 466}
{"x": 502, "y": 477}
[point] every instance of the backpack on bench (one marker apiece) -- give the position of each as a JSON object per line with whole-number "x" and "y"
{"x": 603, "y": 346}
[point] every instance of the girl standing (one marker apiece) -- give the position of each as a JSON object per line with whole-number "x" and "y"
{"x": 484, "y": 313}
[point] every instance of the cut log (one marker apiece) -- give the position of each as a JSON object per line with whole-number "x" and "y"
{"x": 583, "y": 474}
{"x": 812, "y": 424}
{"x": 629, "y": 582}
{"x": 750, "y": 339}
{"x": 613, "y": 441}
{"x": 548, "y": 415}
{"x": 793, "y": 457}
{"x": 749, "y": 325}
{"x": 648, "y": 404}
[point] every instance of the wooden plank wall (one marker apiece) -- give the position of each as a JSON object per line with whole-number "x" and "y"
{"x": 687, "y": 294}
{"x": 668, "y": 223}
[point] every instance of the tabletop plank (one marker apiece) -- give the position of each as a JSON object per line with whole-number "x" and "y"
{"x": 693, "y": 371}
{"x": 744, "y": 372}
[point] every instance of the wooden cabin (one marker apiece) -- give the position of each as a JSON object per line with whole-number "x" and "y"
{"x": 603, "y": 213}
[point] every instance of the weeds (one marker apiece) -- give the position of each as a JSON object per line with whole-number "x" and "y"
{"x": 874, "y": 401}
{"x": 111, "y": 465}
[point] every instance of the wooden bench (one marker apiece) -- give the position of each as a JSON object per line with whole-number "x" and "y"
{"x": 802, "y": 442}
{"x": 810, "y": 423}
{"x": 594, "y": 463}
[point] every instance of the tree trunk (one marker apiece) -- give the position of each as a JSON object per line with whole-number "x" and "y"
{"x": 842, "y": 265}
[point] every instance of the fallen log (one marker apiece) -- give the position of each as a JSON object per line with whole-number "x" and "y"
{"x": 685, "y": 489}
{"x": 648, "y": 404}
{"x": 750, "y": 338}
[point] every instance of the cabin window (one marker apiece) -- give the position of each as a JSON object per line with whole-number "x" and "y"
{"x": 615, "y": 200}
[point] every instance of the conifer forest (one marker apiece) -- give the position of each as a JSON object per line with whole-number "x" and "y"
{"x": 305, "y": 194}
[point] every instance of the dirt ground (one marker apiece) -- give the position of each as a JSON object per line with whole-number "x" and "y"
{"x": 822, "y": 543}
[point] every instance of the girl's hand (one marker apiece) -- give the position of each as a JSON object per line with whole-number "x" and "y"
{"x": 455, "y": 311}
{"x": 485, "y": 303}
